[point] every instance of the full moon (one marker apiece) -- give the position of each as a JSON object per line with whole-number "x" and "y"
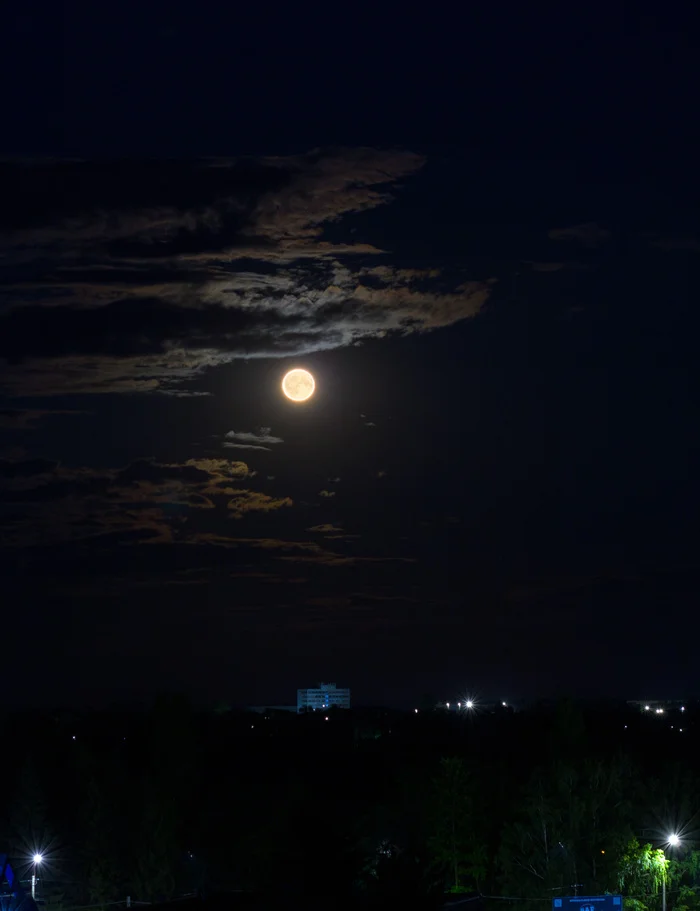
{"x": 298, "y": 385}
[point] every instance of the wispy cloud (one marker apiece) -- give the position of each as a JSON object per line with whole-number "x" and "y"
{"x": 28, "y": 419}
{"x": 143, "y": 289}
{"x": 588, "y": 234}
{"x": 42, "y": 501}
{"x": 240, "y": 439}
{"x": 246, "y": 501}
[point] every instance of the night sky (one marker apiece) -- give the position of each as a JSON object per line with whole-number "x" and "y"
{"x": 482, "y": 237}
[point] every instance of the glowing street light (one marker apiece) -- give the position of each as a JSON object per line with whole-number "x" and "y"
{"x": 469, "y": 704}
{"x": 673, "y": 841}
{"x": 37, "y": 861}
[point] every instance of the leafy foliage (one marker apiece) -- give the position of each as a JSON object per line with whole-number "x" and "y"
{"x": 530, "y": 808}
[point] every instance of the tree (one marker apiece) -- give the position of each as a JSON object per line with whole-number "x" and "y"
{"x": 454, "y": 843}
{"x": 571, "y": 827}
{"x": 643, "y": 869}
{"x": 157, "y": 849}
{"x": 99, "y": 851}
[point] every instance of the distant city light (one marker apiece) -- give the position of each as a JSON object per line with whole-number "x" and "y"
{"x": 503, "y": 704}
{"x": 646, "y": 708}
{"x": 326, "y": 718}
{"x": 682, "y": 708}
{"x": 416, "y": 711}
{"x": 447, "y": 704}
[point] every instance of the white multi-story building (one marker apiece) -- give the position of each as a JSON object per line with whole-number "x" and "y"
{"x": 324, "y": 696}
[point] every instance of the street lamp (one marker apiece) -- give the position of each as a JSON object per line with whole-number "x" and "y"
{"x": 673, "y": 841}
{"x": 37, "y": 861}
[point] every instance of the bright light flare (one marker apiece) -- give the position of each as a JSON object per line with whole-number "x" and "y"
{"x": 38, "y": 858}
{"x": 674, "y": 840}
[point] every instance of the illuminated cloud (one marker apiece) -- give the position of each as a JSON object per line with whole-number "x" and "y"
{"x": 199, "y": 264}
{"x": 262, "y": 435}
{"x": 254, "y": 501}
{"x": 144, "y": 502}
{"x": 261, "y": 439}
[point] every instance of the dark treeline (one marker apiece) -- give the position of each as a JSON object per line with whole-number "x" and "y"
{"x": 371, "y": 805}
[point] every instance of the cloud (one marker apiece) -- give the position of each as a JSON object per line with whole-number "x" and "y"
{"x": 251, "y": 440}
{"x": 143, "y": 502}
{"x": 326, "y": 493}
{"x": 27, "y": 419}
{"x": 677, "y": 242}
{"x": 325, "y": 529}
{"x": 588, "y": 235}
{"x": 246, "y": 501}
{"x": 184, "y": 393}
{"x": 26, "y": 469}
{"x": 262, "y": 435}
{"x": 143, "y": 276}
{"x": 546, "y": 267}
{"x": 389, "y": 274}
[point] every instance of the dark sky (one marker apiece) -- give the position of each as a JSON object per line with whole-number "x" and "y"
{"x": 481, "y": 235}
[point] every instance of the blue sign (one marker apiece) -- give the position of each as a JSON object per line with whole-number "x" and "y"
{"x": 588, "y": 903}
